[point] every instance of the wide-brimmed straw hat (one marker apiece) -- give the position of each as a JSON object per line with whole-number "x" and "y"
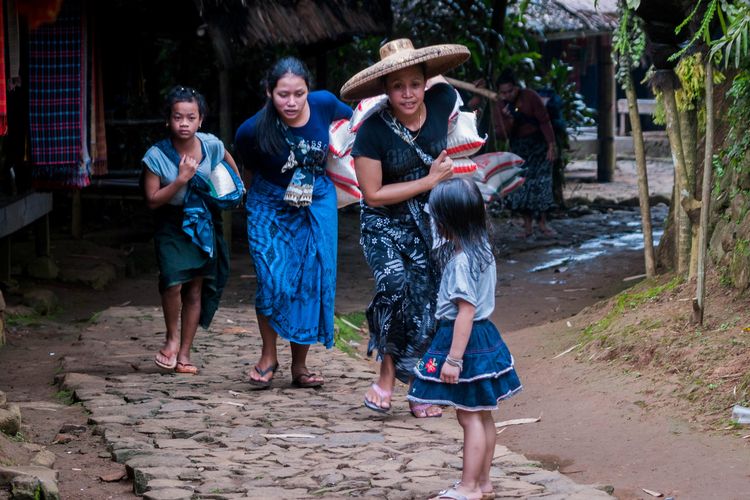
{"x": 399, "y": 54}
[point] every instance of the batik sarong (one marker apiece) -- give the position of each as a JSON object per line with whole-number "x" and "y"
{"x": 294, "y": 253}
{"x": 397, "y": 246}
{"x": 535, "y": 196}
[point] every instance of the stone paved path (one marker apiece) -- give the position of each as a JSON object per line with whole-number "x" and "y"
{"x": 209, "y": 436}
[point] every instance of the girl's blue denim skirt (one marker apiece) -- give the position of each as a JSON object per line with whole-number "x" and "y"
{"x": 488, "y": 374}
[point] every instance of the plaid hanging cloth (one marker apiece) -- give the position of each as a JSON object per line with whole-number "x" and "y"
{"x": 3, "y": 96}
{"x": 56, "y": 77}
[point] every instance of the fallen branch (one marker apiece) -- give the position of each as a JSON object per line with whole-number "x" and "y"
{"x": 285, "y": 436}
{"x": 566, "y": 351}
{"x": 518, "y": 421}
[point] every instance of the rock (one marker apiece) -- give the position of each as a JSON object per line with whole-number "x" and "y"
{"x": 10, "y": 420}
{"x": 64, "y": 438}
{"x": 168, "y": 494}
{"x": 113, "y": 477}
{"x": 47, "y": 478}
{"x": 43, "y": 268}
{"x": 44, "y": 302}
{"x": 44, "y": 458}
{"x": 25, "y": 488}
{"x": 97, "y": 277}
{"x": 73, "y": 429}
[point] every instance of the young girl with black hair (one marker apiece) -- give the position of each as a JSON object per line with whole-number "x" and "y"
{"x": 468, "y": 366}
{"x": 292, "y": 223}
{"x": 192, "y": 269}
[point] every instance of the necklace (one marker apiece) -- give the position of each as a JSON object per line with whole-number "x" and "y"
{"x": 411, "y": 137}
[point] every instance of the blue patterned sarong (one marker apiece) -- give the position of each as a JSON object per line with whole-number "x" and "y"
{"x": 294, "y": 253}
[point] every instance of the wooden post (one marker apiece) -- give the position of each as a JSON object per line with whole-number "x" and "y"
{"x": 700, "y": 289}
{"x": 41, "y": 237}
{"x": 605, "y": 157}
{"x": 223, "y": 54}
{"x": 640, "y": 161}
{"x": 5, "y": 260}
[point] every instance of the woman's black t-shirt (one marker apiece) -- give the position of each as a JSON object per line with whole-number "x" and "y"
{"x": 399, "y": 161}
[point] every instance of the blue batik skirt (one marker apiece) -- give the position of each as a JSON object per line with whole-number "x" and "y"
{"x": 294, "y": 252}
{"x": 488, "y": 374}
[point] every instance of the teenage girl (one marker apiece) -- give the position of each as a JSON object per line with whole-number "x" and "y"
{"x": 190, "y": 280}
{"x": 468, "y": 366}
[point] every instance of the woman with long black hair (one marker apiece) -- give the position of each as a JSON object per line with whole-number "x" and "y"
{"x": 292, "y": 221}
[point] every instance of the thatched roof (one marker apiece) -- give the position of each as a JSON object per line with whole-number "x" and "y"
{"x": 555, "y": 19}
{"x": 257, "y": 23}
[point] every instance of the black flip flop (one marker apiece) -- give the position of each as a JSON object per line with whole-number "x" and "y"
{"x": 297, "y": 381}
{"x": 263, "y": 384}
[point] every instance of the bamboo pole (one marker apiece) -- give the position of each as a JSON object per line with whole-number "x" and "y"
{"x": 640, "y": 161}
{"x": 459, "y": 84}
{"x": 700, "y": 289}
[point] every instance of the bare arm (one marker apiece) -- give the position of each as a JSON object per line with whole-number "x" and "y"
{"x": 461, "y": 333}
{"x": 228, "y": 158}
{"x": 370, "y": 177}
{"x": 156, "y": 195}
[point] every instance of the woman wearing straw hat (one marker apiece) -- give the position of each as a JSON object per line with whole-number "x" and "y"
{"x": 399, "y": 156}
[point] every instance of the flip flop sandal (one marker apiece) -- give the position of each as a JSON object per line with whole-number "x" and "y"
{"x": 488, "y": 495}
{"x": 186, "y": 368}
{"x": 452, "y": 494}
{"x": 297, "y": 381}
{"x": 166, "y": 366}
{"x": 263, "y": 384}
{"x": 420, "y": 411}
{"x": 383, "y": 394}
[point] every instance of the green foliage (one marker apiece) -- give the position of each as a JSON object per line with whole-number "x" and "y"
{"x": 469, "y": 22}
{"x": 732, "y": 158}
{"x": 348, "y": 332}
{"x": 574, "y": 110}
{"x": 734, "y": 44}
{"x": 627, "y": 300}
{"x": 65, "y": 396}
{"x": 628, "y": 41}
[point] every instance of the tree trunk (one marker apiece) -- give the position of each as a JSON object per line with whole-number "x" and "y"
{"x": 640, "y": 160}
{"x": 700, "y": 289}
{"x": 689, "y": 134}
{"x": 605, "y": 157}
{"x": 681, "y": 188}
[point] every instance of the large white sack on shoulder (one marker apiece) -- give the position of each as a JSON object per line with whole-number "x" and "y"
{"x": 487, "y": 192}
{"x": 490, "y": 164}
{"x": 453, "y": 117}
{"x": 340, "y": 138}
{"x": 341, "y": 170}
{"x": 462, "y": 166}
{"x": 346, "y": 194}
{"x": 366, "y": 108}
{"x": 464, "y": 140}
{"x": 511, "y": 186}
{"x": 503, "y": 177}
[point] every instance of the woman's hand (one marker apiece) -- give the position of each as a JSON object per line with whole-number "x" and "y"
{"x": 449, "y": 374}
{"x": 442, "y": 168}
{"x": 187, "y": 168}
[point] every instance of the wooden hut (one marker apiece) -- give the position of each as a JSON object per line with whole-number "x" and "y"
{"x": 129, "y": 51}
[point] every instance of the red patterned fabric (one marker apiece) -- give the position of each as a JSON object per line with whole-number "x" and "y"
{"x": 3, "y": 97}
